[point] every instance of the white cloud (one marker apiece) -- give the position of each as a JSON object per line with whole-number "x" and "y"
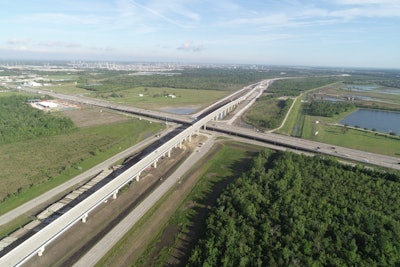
{"x": 157, "y": 11}
{"x": 190, "y": 47}
{"x": 28, "y": 45}
{"x": 17, "y": 42}
{"x": 59, "y": 44}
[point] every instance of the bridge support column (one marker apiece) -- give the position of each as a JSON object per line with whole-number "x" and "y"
{"x": 169, "y": 153}
{"x": 180, "y": 145}
{"x": 205, "y": 126}
{"x": 84, "y": 218}
{"x": 115, "y": 194}
{"x": 40, "y": 251}
{"x": 155, "y": 163}
{"x": 190, "y": 138}
{"x": 138, "y": 176}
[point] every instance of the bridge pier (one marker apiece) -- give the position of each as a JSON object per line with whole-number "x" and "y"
{"x": 138, "y": 176}
{"x": 40, "y": 251}
{"x": 115, "y": 194}
{"x": 155, "y": 163}
{"x": 84, "y": 217}
{"x": 169, "y": 153}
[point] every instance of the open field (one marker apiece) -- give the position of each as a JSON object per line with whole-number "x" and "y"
{"x": 353, "y": 138}
{"x": 265, "y": 118}
{"x": 65, "y": 88}
{"x": 149, "y": 97}
{"x": 160, "y": 97}
{"x": 50, "y": 161}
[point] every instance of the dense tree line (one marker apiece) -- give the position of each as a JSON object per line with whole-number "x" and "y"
{"x": 294, "y": 210}
{"x": 19, "y": 121}
{"x": 328, "y": 108}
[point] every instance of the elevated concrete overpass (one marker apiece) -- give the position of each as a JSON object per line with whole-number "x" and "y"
{"x": 36, "y": 244}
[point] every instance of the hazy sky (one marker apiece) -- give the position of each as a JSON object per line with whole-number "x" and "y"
{"x": 358, "y": 33}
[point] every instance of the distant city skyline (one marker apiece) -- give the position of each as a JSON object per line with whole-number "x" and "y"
{"x": 336, "y": 33}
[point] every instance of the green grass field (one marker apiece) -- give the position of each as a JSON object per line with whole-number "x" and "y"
{"x": 148, "y": 97}
{"x": 66, "y": 88}
{"x": 44, "y": 163}
{"x": 352, "y": 138}
{"x": 155, "y": 97}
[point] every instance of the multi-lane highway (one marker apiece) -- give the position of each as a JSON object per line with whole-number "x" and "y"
{"x": 37, "y": 243}
{"x": 310, "y": 146}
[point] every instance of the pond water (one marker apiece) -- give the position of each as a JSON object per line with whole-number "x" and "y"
{"x": 180, "y": 111}
{"x": 370, "y": 88}
{"x": 361, "y": 88}
{"x": 381, "y": 121}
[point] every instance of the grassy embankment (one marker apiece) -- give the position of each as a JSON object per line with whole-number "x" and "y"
{"x": 208, "y": 178}
{"x": 50, "y": 161}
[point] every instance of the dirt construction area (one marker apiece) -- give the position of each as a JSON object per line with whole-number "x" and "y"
{"x": 69, "y": 247}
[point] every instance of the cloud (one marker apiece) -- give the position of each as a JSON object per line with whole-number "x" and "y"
{"x": 319, "y": 13}
{"x": 15, "y": 44}
{"x": 59, "y": 44}
{"x": 190, "y": 47}
{"x": 160, "y": 11}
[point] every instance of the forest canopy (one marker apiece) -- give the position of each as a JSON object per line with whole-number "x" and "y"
{"x": 328, "y": 108}
{"x": 19, "y": 121}
{"x": 294, "y": 210}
